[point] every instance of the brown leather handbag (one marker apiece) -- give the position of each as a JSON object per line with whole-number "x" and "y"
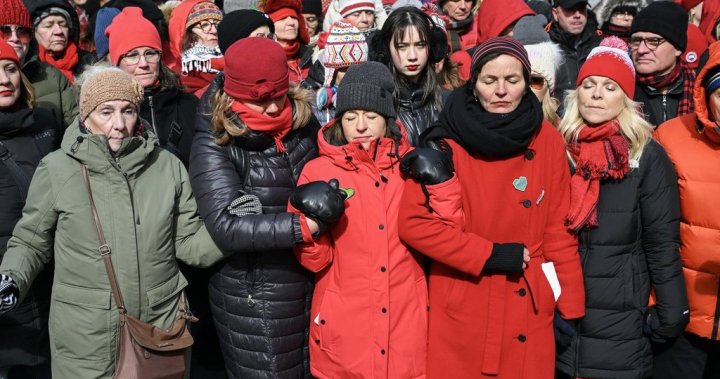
{"x": 145, "y": 351}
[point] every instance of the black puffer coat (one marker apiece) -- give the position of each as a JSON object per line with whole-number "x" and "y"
{"x": 634, "y": 249}
{"x": 260, "y": 297}
{"x": 415, "y": 114}
{"x": 27, "y": 136}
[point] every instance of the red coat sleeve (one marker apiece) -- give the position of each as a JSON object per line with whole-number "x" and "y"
{"x": 446, "y": 202}
{"x": 444, "y": 242}
{"x": 559, "y": 245}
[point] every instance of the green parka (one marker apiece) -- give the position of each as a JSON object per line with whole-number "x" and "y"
{"x": 150, "y": 218}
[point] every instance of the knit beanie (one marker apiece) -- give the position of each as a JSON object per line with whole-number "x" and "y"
{"x": 530, "y": 30}
{"x": 501, "y": 45}
{"x": 7, "y": 52}
{"x": 545, "y": 59}
{"x": 610, "y": 60}
{"x": 312, "y": 7}
{"x": 14, "y": 12}
{"x": 368, "y": 86}
{"x": 665, "y": 19}
{"x": 239, "y": 24}
{"x": 53, "y": 11}
{"x": 711, "y": 81}
{"x": 256, "y": 70}
{"x": 109, "y": 84}
{"x": 345, "y": 46}
{"x": 696, "y": 46}
{"x": 350, "y": 6}
{"x": 143, "y": 33}
{"x": 202, "y": 11}
{"x": 103, "y": 19}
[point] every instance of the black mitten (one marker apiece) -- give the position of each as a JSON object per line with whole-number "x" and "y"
{"x": 321, "y": 201}
{"x": 427, "y": 166}
{"x": 564, "y": 332}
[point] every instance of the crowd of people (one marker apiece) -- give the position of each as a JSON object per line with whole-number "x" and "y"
{"x": 363, "y": 188}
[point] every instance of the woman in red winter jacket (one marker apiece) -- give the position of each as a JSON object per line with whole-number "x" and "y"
{"x": 369, "y": 310}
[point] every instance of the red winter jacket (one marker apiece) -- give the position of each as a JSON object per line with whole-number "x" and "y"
{"x": 494, "y": 324}
{"x": 369, "y": 309}
{"x": 496, "y": 15}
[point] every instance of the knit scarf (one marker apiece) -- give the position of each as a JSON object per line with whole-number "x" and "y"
{"x": 493, "y": 135}
{"x": 454, "y": 29}
{"x": 277, "y": 127}
{"x": 686, "y": 105}
{"x": 66, "y": 63}
{"x": 622, "y": 32}
{"x": 201, "y": 58}
{"x": 600, "y": 152}
{"x": 291, "y": 50}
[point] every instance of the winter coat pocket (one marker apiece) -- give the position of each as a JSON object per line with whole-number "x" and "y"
{"x": 80, "y": 322}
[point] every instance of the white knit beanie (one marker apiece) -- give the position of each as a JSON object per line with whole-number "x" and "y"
{"x": 545, "y": 58}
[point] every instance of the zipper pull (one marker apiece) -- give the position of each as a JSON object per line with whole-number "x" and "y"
{"x": 250, "y": 301}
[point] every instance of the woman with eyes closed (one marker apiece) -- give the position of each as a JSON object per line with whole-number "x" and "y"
{"x": 169, "y": 111}
{"x": 624, "y": 208}
{"x": 491, "y": 306}
{"x": 410, "y": 44}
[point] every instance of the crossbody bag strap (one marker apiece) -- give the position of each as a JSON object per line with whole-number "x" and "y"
{"x": 104, "y": 248}
{"x": 21, "y": 178}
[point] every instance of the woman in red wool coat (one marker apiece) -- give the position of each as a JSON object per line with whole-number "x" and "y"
{"x": 491, "y": 304}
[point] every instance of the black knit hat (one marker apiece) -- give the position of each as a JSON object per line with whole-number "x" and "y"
{"x": 666, "y": 19}
{"x": 312, "y": 7}
{"x": 239, "y": 24}
{"x": 368, "y": 86}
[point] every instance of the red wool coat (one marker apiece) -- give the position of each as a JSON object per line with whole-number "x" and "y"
{"x": 369, "y": 309}
{"x": 498, "y": 325}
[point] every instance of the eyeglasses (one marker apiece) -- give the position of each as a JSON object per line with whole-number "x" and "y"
{"x": 537, "y": 82}
{"x": 23, "y": 33}
{"x": 133, "y": 57}
{"x": 206, "y": 26}
{"x": 623, "y": 13}
{"x": 652, "y": 43}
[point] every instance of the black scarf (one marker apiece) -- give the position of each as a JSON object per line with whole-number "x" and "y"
{"x": 494, "y": 135}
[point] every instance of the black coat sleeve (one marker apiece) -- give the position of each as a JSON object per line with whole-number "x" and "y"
{"x": 660, "y": 214}
{"x": 216, "y": 183}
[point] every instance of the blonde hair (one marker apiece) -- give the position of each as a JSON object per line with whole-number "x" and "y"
{"x": 633, "y": 126}
{"x": 224, "y": 128}
{"x": 549, "y": 107}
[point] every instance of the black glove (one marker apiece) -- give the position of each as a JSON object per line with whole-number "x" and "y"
{"x": 564, "y": 332}
{"x": 427, "y": 166}
{"x": 8, "y": 293}
{"x": 321, "y": 201}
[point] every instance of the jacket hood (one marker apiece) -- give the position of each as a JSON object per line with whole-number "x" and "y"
{"x": 176, "y": 32}
{"x": 699, "y": 96}
{"x": 382, "y": 154}
{"x": 36, "y": 7}
{"x": 709, "y": 19}
{"x": 93, "y": 150}
{"x": 496, "y": 15}
{"x": 604, "y": 9}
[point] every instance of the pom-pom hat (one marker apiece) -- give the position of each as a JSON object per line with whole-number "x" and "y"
{"x": 345, "y": 46}
{"x": 612, "y": 61}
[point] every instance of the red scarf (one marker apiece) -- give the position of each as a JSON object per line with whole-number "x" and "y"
{"x": 686, "y": 104}
{"x": 600, "y": 152}
{"x": 66, "y": 63}
{"x": 278, "y": 127}
{"x": 292, "y": 49}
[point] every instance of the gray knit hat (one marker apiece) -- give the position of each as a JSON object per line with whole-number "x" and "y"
{"x": 368, "y": 86}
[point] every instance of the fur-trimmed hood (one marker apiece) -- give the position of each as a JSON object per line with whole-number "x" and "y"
{"x": 604, "y": 8}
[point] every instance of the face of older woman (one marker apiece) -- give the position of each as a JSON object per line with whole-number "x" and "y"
{"x": 362, "y": 127}
{"x": 286, "y": 30}
{"x": 116, "y": 120}
{"x": 500, "y": 85}
{"x": 600, "y": 99}
{"x": 206, "y": 31}
{"x": 363, "y": 19}
{"x": 52, "y": 33}
{"x": 10, "y": 83}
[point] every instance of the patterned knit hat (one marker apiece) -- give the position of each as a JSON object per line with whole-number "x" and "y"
{"x": 203, "y": 11}
{"x": 612, "y": 61}
{"x": 350, "y": 6}
{"x": 14, "y": 12}
{"x": 103, "y": 84}
{"x": 345, "y": 47}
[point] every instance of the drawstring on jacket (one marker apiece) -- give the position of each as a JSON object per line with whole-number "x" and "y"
{"x": 76, "y": 144}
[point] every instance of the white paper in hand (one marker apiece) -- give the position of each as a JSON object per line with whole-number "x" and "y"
{"x": 549, "y": 271}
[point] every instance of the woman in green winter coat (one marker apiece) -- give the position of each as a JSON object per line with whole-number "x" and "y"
{"x": 145, "y": 204}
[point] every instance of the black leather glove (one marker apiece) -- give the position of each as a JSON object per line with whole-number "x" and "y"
{"x": 321, "y": 201}
{"x": 8, "y": 293}
{"x": 564, "y": 332}
{"x": 427, "y": 166}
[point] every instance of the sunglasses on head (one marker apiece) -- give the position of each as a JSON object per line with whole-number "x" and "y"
{"x": 23, "y": 33}
{"x": 537, "y": 82}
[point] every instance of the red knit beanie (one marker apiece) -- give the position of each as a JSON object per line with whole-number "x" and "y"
{"x": 610, "y": 60}
{"x": 14, "y": 12}
{"x": 130, "y": 30}
{"x": 7, "y": 52}
{"x": 256, "y": 70}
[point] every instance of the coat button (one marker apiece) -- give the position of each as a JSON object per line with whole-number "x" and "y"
{"x": 377, "y": 184}
{"x": 527, "y": 203}
{"x": 529, "y": 154}
{"x": 381, "y": 227}
{"x": 383, "y": 269}
{"x": 522, "y": 292}
{"x": 384, "y": 310}
{"x": 317, "y": 342}
{"x": 382, "y": 351}
{"x": 522, "y": 338}
{"x": 322, "y": 322}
